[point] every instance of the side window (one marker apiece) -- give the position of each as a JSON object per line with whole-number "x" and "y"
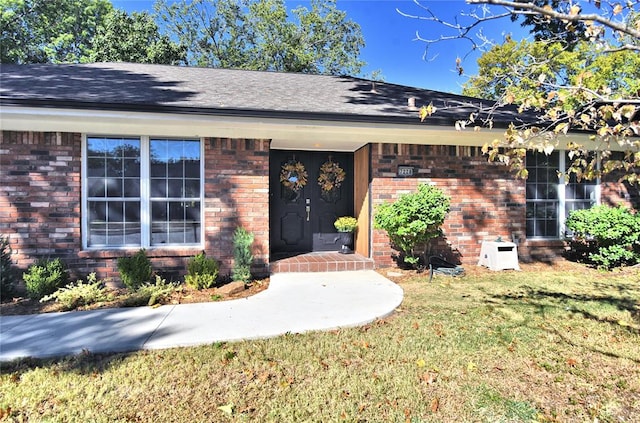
{"x": 550, "y": 197}
{"x": 542, "y": 195}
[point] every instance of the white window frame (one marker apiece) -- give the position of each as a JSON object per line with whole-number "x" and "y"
{"x": 562, "y": 199}
{"x": 145, "y": 195}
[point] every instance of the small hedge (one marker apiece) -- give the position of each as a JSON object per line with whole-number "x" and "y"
{"x": 202, "y": 272}
{"x": 242, "y": 256}
{"x": 45, "y": 277}
{"x": 7, "y": 273}
{"x": 605, "y": 236}
{"x": 150, "y": 293}
{"x": 413, "y": 220}
{"x": 80, "y": 293}
{"x": 135, "y": 270}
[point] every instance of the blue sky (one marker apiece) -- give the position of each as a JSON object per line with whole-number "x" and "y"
{"x": 389, "y": 36}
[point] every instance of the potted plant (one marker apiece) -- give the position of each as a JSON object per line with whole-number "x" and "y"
{"x": 346, "y": 225}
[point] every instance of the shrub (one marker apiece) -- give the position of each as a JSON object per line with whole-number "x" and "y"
{"x": 7, "y": 274}
{"x": 80, "y": 293}
{"x": 413, "y": 220}
{"x": 151, "y": 293}
{"x": 608, "y": 236}
{"x": 242, "y": 256}
{"x": 135, "y": 270}
{"x": 202, "y": 272}
{"x": 45, "y": 277}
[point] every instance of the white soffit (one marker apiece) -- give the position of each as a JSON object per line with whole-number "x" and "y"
{"x": 284, "y": 133}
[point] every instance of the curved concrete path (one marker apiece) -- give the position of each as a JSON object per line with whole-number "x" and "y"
{"x": 293, "y": 303}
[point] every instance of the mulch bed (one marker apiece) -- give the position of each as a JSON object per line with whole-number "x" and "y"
{"x": 186, "y": 294}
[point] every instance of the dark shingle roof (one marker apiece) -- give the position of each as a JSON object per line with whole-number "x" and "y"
{"x": 129, "y": 86}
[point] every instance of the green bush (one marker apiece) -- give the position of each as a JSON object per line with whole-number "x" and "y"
{"x": 135, "y": 270}
{"x": 606, "y": 236}
{"x": 7, "y": 274}
{"x": 242, "y": 256}
{"x": 151, "y": 293}
{"x": 202, "y": 272}
{"x": 413, "y": 220}
{"x": 45, "y": 277}
{"x": 80, "y": 293}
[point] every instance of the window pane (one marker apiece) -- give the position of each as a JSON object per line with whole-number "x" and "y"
{"x": 131, "y": 168}
{"x": 131, "y": 188}
{"x": 159, "y": 233}
{"x": 176, "y": 211}
{"x": 191, "y": 150}
{"x": 175, "y": 188}
{"x": 115, "y": 211}
{"x": 158, "y": 188}
{"x": 132, "y": 212}
{"x": 114, "y": 187}
{"x": 159, "y": 211}
{"x": 130, "y": 148}
{"x": 115, "y": 234}
{"x": 193, "y": 211}
{"x": 175, "y": 169}
{"x": 159, "y": 151}
{"x": 132, "y": 234}
{"x": 192, "y": 188}
{"x": 551, "y": 228}
{"x": 158, "y": 168}
{"x": 97, "y": 211}
{"x": 95, "y": 167}
{"x": 96, "y": 147}
{"x": 96, "y": 187}
{"x": 192, "y": 168}
{"x": 114, "y": 167}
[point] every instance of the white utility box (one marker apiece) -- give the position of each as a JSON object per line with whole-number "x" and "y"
{"x": 498, "y": 255}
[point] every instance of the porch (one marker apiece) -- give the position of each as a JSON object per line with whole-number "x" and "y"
{"x": 322, "y": 261}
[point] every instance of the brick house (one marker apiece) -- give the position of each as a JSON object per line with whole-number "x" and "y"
{"x": 99, "y": 160}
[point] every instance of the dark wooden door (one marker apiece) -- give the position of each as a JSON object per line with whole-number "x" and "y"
{"x": 302, "y": 220}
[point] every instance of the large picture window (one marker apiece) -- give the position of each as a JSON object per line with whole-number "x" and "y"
{"x": 551, "y": 197}
{"x": 142, "y": 192}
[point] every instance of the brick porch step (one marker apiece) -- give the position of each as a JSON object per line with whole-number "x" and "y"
{"x": 321, "y": 262}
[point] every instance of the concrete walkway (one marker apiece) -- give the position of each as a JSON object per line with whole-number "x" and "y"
{"x": 293, "y": 303}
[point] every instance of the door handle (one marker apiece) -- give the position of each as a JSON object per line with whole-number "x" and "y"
{"x": 308, "y": 208}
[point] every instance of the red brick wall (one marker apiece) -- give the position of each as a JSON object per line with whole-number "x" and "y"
{"x": 486, "y": 201}
{"x": 40, "y": 202}
{"x": 616, "y": 193}
{"x": 237, "y": 194}
{"x": 40, "y": 194}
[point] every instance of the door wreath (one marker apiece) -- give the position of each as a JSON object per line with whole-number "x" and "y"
{"x": 293, "y": 175}
{"x": 331, "y": 176}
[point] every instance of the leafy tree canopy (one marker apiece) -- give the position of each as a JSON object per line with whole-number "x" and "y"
{"x": 49, "y": 31}
{"x": 580, "y": 73}
{"x": 133, "y": 38}
{"x": 261, "y": 35}
{"x": 80, "y": 31}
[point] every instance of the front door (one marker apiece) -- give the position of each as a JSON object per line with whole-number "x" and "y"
{"x": 308, "y": 191}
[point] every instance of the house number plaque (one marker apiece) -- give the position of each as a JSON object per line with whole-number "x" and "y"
{"x": 406, "y": 171}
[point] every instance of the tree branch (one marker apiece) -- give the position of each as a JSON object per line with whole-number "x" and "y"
{"x": 531, "y": 7}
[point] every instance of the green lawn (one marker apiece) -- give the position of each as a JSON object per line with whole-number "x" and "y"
{"x": 536, "y": 345}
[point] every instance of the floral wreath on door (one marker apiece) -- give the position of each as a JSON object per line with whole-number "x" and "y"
{"x": 293, "y": 175}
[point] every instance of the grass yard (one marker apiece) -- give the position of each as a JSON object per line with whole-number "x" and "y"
{"x": 544, "y": 344}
